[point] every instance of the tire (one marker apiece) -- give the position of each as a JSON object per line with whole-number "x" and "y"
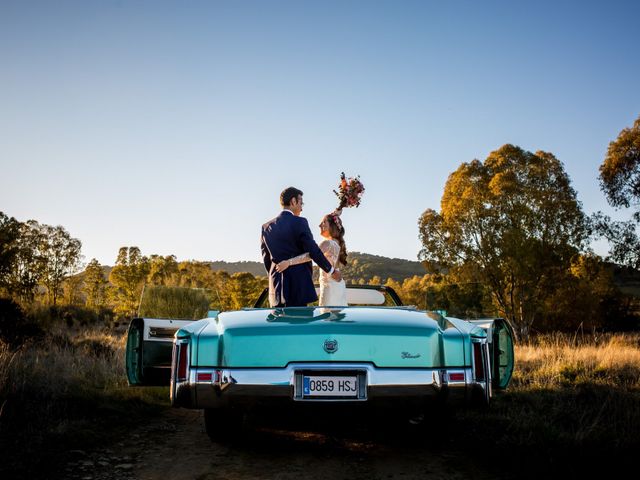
{"x": 481, "y": 397}
{"x": 224, "y": 424}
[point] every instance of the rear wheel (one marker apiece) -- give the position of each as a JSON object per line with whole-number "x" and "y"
{"x": 481, "y": 396}
{"x": 223, "y": 424}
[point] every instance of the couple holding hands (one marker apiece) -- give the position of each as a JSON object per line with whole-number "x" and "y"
{"x": 288, "y": 248}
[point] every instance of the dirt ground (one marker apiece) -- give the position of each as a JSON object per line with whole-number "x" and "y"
{"x": 175, "y": 446}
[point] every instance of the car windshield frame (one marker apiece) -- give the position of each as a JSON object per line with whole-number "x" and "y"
{"x": 388, "y": 292}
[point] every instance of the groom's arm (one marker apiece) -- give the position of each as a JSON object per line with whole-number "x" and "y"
{"x": 266, "y": 255}
{"x": 309, "y": 245}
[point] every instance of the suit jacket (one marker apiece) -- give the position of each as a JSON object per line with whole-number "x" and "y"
{"x": 284, "y": 237}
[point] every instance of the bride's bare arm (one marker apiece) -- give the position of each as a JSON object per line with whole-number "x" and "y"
{"x": 283, "y": 265}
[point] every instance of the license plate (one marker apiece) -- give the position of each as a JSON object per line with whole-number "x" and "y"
{"x": 328, "y": 386}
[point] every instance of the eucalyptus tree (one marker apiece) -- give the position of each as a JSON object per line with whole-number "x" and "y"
{"x": 33, "y": 254}
{"x": 511, "y": 223}
{"x": 60, "y": 256}
{"x": 128, "y": 279}
{"x": 9, "y": 234}
{"x": 162, "y": 270}
{"x": 620, "y": 182}
{"x": 94, "y": 284}
{"x": 22, "y": 280}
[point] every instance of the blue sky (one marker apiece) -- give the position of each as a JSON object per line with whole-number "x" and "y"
{"x": 174, "y": 126}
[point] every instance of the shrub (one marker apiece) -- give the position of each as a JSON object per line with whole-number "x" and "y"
{"x": 15, "y": 326}
{"x": 71, "y": 315}
{"x": 66, "y": 391}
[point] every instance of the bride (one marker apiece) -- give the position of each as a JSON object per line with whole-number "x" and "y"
{"x": 332, "y": 293}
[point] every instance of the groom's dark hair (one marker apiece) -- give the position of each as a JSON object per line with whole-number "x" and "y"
{"x": 289, "y": 194}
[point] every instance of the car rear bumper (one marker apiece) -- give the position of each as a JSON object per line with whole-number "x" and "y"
{"x": 215, "y": 388}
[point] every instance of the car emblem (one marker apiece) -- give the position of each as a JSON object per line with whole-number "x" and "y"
{"x": 331, "y": 346}
{"x": 410, "y": 355}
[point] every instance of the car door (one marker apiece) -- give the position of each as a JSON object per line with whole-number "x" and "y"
{"x": 502, "y": 353}
{"x": 501, "y": 339}
{"x": 149, "y": 350}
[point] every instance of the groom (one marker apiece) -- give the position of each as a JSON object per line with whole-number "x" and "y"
{"x": 288, "y": 236}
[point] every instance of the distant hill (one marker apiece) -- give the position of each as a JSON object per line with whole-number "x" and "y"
{"x": 254, "y": 268}
{"x": 361, "y": 265}
{"x": 367, "y": 266}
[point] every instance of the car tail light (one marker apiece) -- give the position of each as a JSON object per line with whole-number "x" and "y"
{"x": 205, "y": 377}
{"x": 182, "y": 356}
{"x": 478, "y": 362}
{"x": 456, "y": 377}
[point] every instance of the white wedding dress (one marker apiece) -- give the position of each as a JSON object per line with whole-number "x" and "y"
{"x": 332, "y": 293}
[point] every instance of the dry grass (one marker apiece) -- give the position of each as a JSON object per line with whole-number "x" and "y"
{"x": 572, "y": 409}
{"x": 573, "y": 399}
{"x": 56, "y": 394}
{"x": 561, "y": 361}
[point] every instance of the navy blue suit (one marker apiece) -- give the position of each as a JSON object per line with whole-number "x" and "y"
{"x": 284, "y": 237}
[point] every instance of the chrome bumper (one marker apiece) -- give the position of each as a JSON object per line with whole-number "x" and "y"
{"x": 214, "y": 388}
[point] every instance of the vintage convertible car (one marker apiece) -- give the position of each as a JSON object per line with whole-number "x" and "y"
{"x": 374, "y": 351}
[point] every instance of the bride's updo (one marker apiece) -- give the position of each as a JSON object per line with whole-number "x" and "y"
{"x": 336, "y": 230}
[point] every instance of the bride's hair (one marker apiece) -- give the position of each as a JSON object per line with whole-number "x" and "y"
{"x": 336, "y": 230}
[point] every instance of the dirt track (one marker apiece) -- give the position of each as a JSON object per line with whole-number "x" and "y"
{"x": 175, "y": 446}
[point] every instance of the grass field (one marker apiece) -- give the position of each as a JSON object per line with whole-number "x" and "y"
{"x": 594, "y": 385}
{"x": 572, "y": 409}
{"x": 66, "y": 391}
{"x": 574, "y": 403}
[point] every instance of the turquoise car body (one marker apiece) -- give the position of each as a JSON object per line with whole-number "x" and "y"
{"x": 239, "y": 338}
{"x": 233, "y": 360}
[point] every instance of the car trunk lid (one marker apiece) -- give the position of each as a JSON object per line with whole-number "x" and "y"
{"x": 386, "y": 337}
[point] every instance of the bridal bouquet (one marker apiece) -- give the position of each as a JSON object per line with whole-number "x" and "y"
{"x": 349, "y": 192}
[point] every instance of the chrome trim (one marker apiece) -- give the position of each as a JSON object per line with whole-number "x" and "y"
{"x": 151, "y": 325}
{"x": 230, "y": 385}
{"x": 484, "y": 385}
{"x": 162, "y": 332}
{"x": 179, "y": 388}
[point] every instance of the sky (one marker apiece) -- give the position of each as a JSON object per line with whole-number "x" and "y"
{"x": 175, "y": 125}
